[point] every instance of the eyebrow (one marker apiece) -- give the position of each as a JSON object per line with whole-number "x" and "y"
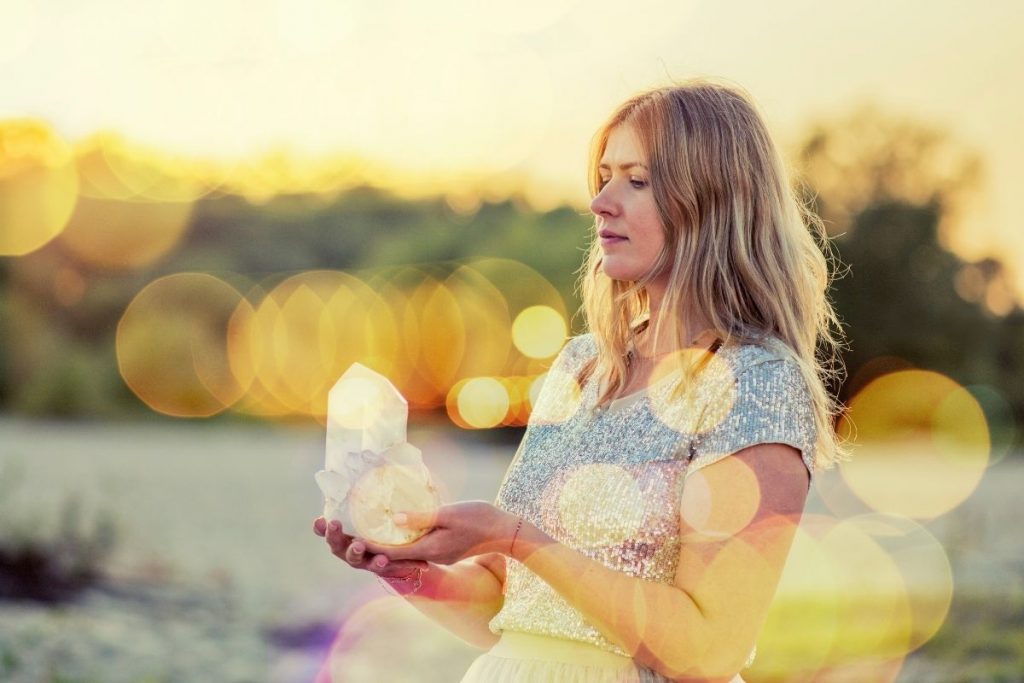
{"x": 623, "y": 167}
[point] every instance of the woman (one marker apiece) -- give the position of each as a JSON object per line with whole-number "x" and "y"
{"x": 641, "y": 529}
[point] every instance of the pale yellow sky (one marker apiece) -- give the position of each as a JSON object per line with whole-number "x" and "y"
{"x": 508, "y": 90}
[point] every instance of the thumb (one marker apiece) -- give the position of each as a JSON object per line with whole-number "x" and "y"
{"x": 412, "y": 519}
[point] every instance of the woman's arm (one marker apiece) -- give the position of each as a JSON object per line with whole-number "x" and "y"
{"x": 704, "y": 626}
{"x": 463, "y": 597}
{"x": 699, "y": 628}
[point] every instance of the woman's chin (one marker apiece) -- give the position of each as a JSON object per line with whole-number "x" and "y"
{"x": 621, "y": 274}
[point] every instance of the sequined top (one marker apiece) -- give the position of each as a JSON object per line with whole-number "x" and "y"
{"x": 607, "y": 481}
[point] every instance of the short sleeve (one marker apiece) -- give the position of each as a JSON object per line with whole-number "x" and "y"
{"x": 768, "y": 403}
{"x": 561, "y": 393}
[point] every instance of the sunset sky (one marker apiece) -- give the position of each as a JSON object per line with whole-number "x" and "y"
{"x": 508, "y": 93}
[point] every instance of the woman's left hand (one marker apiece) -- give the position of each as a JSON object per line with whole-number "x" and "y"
{"x": 458, "y": 530}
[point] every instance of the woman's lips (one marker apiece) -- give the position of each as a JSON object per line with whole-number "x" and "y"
{"x": 611, "y": 239}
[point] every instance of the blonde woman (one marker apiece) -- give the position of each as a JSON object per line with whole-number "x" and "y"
{"x": 642, "y": 527}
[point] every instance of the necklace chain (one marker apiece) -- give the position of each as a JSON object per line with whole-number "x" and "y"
{"x": 633, "y": 356}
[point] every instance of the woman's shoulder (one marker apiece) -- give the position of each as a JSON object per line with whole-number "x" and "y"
{"x": 741, "y": 355}
{"x": 756, "y": 350}
{"x": 576, "y": 351}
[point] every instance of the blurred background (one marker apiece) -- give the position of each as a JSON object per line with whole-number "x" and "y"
{"x": 208, "y": 211}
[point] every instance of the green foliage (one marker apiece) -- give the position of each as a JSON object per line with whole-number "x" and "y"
{"x": 982, "y": 640}
{"x": 872, "y": 179}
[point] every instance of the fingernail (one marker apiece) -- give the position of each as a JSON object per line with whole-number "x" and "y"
{"x": 357, "y": 549}
{"x": 400, "y": 518}
{"x": 335, "y": 525}
{"x": 380, "y": 562}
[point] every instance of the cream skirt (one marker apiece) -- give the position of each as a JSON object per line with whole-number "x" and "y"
{"x": 527, "y": 658}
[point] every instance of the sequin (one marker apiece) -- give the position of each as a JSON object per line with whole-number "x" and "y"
{"x": 607, "y": 481}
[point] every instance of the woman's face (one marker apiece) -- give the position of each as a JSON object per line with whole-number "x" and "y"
{"x": 628, "y": 222}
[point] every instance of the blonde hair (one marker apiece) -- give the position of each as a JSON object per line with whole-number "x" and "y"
{"x": 740, "y": 248}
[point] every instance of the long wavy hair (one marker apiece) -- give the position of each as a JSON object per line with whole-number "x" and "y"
{"x": 741, "y": 249}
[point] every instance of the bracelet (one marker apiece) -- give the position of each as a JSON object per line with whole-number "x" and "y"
{"x": 415, "y": 577}
{"x": 512, "y": 546}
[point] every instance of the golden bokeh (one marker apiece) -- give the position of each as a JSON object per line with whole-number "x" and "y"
{"x": 305, "y": 333}
{"x": 482, "y": 402}
{"x": 717, "y": 517}
{"x": 124, "y": 234}
{"x": 803, "y": 620}
{"x": 111, "y": 168}
{"x": 523, "y": 288}
{"x": 875, "y": 618}
{"x": 38, "y": 186}
{"x": 487, "y": 325}
{"x": 556, "y": 396}
{"x": 921, "y": 444}
{"x": 923, "y": 566}
{"x": 856, "y": 597}
{"x": 583, "y": 509}
{"x": 539, "y": 331}
{"x": 442, "y": 341}
{"x": 706, "y": 403}
{"x": 172, "y": 345}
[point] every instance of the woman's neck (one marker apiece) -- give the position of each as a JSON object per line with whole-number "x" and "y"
{"x": 698, "y": 332}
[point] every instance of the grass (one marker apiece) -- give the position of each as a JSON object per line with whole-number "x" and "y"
{"x": 49, "y": 560}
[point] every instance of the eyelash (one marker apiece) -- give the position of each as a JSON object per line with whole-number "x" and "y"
{"x": 637, "y": 184}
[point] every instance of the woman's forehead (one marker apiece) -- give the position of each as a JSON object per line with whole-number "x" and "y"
{"x": 622, "y": 149}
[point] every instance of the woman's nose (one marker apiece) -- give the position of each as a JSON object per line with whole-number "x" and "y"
{"x": 603, "y": 204}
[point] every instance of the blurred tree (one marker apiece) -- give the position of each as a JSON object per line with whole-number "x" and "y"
{"x": 891, "y": 192}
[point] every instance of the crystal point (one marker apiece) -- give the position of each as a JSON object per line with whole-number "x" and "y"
{"x": 365, "y": 412}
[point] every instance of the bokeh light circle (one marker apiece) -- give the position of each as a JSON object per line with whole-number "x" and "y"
{"x": 717, "y": 517}
{"x": 706, "y": 402}
{"x": 38, "y": 186}
{"x": 539, "y": 331}
{"x": 482, "y": 402}
{"x": 303, "y": 335}
{"x": 583, "y": 508}
{"x": 172, "y": 345}
{"x": 921, "y": 444}
{"x": 556, "y": 396}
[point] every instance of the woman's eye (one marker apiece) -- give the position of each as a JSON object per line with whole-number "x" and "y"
{"x": 601, "y": 182}
{"x": 637, "y": 183}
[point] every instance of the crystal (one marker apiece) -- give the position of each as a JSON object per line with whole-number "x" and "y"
{"x": 370, "y": 471}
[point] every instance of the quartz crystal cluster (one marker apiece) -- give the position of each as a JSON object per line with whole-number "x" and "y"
{"x": 370, "y": 471}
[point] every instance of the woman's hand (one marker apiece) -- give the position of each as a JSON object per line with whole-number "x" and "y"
{"x": 355, "y": 553}
{"x": 458, "y": 531}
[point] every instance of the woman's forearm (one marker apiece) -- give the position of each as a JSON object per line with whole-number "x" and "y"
{"x": 461, "y": 597}
{"x": 658, "y": 624}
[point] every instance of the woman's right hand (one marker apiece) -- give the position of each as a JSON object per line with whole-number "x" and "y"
{"x": 355, "y": 554}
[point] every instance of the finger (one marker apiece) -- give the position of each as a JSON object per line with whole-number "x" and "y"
{"x": 355, "y": 554}
{"x": 393, "y": 552}
{"x": 320, "y": 526}
{"x": 336, "y": 538}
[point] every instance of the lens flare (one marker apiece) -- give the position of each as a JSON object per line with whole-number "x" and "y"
{"x": 803, "y": 620}
{"x": 305, "y": 333}
{"x": 482, "y": 402}
{"x": 921, "y": 444}
{"x": 584, "y": 513}
{"x": 172, "y": 346}
{"x": 122, "y": 234}
{"x": 487, "y": 325}
{"x": 38, "y": 186}
{"x": 539, "y": 331}
{"x": 717, "y": 517}
{"x": 709, "y": 398}
{"x": 556, "y": 396}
